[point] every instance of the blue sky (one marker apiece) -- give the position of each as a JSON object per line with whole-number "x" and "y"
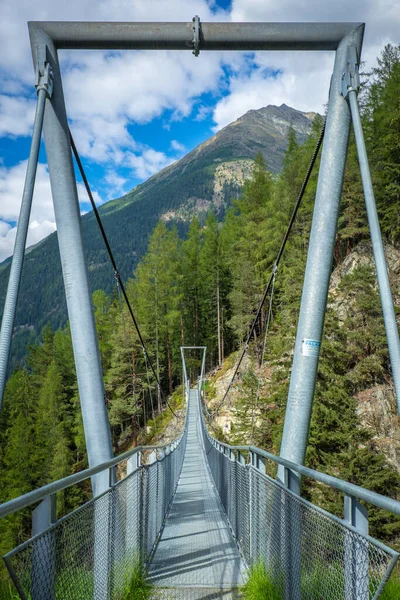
{"x": 134, "y": 113}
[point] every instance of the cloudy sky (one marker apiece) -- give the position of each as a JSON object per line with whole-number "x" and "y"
{"x": 132, "y": 113}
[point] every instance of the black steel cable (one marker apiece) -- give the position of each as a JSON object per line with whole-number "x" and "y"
{"x": 114, "y": 265}
{"x": 277, "y": 261}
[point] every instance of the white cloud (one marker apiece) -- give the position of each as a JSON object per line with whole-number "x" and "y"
{"x": 105, "y": 93}
{"x": 299, "y": 81}
{"x": 11, "y": 188}
{"x": 15, "y": 55}
{"x": 147, "y": 163}
{"x": 42, "y": 219}
{"x": 16, "y": 115}
{"x": 203, "y": 112}
{"x": 304, "y": 80}
{"x": 36, "y": 232}
{"x": 177, "y": 146}
{"x": 84, "y": 198}
{"x": 115, "y": 183}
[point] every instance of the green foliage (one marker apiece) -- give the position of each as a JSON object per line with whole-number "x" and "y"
{"x": 251, "y": 236}
{"x": 383, "y": 112}
{"x": 203, "y": 287}
{"x": 137, "y": 588}
{"x": 392, "y": 588}
{"x": 259, "y": 585}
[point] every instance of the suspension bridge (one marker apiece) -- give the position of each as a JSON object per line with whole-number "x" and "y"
{"x": 198, "y": 513}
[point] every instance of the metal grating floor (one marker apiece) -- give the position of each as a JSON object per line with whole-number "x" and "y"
{"x": 195, "y": 594}
{"x": 196, "y": 550}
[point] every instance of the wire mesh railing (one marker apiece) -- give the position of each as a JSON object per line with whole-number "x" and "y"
{"x": 308, "y": 553}
{"x": 92, "y": 552}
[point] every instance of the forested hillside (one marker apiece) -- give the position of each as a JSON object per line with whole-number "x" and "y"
{"x": 206, "y": 178}
{"x": 204, "y": 289}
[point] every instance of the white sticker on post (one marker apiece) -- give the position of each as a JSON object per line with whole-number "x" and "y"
{"x": 310, "y": 347}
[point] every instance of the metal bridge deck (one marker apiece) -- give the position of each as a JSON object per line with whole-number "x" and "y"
{"x": 196, "y": 551}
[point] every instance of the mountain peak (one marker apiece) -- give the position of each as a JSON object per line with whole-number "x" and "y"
{"x": 205, "y": 179}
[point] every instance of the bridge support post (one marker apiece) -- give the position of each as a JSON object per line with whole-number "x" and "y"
{"x": 315, "y": 294}
{"x": 79, "y": 301}
{"x": 74, "y": 268}
{"x": 319, "y": 264}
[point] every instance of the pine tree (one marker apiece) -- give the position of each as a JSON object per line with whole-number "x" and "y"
{"x": 213, "y": 290}
{"x": 192, "y": 282}
{"x": 383, "y": 138}
{"x": 158, "y": 297}
{"x": 250, "y": 233}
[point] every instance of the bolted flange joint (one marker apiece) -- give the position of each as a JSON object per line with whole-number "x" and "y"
{"x": 196, "y": 35}
{"x": 351, "y": 75}
{"x": 43, "y": 73}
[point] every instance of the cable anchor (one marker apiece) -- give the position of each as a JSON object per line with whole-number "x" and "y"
{"x": 196, "y": 35}
{"x": 351, "y": 75}
{"x": 43, "y": 72}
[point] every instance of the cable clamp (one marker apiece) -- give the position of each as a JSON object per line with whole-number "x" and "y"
{"x": 274, "y": 269}
{"x": 196, "y": 35}
{"x": 351, "y": 75}
{"x": 43, "y": 72}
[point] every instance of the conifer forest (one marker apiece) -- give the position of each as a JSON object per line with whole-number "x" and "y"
{"x": 203, "y": 287}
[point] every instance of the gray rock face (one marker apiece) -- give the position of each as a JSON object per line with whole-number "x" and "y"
{"x": 362, "y": 256}
{"x": 377, "y": 412}
{"x": 376, "y": 406}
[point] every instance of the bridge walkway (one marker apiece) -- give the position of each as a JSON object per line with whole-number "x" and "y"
{"x": 197, "y": 556}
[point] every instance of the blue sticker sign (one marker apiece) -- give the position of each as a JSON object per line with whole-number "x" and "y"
{"x": 310, "y": 347}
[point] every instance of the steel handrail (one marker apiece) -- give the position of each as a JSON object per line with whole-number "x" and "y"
{"x": 350, "y": 489}
{"x": 12, "y": 506}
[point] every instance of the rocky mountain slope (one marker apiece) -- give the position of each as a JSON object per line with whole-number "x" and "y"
{"x": 375, "y": 406}
{"x": 206, "y": 178}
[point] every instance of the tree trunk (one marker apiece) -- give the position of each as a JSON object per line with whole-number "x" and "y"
{"x": 196, "y": 318}
{"x": 134, "y": 432}
{"x": 157, "y": 354}
{"x": 222, "y": 332}
{"x": 181, "y": 322}
{"x": 171, "y": 389}
{"x": 219, "y": 327}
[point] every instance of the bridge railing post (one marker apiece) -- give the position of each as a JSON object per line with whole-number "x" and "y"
{"x": 356, "y": 552}
{"x": 253, "y": 510}
{"x": 43, "y": 569}
{"x": 132, "y": 535}
{"x": 291, "y": 536}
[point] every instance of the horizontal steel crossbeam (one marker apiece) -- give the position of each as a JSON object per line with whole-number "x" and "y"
{"x": 179, "y": 36}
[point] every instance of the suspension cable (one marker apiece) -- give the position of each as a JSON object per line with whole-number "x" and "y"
{"x": 255, "y": 404}
{"x": 114, "y": 265}
{"x": 151, "y": 395}
{"x": 276, "y": 263}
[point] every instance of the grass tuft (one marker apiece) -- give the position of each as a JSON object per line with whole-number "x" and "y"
{"x": 259, "y": 585}
{"x": 392, "y": 588}
{"x": 138, "y": 588}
